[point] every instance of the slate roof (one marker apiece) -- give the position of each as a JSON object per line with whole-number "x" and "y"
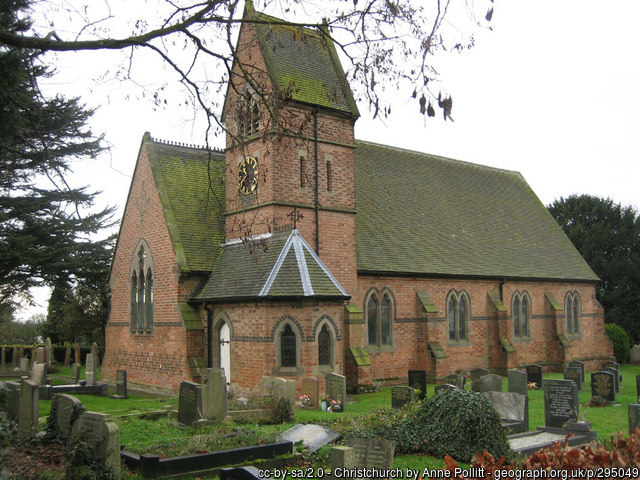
{"x": 288, "y": 268}
{"x": 424, "y": 214}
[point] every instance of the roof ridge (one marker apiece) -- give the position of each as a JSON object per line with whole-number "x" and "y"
{"x": 185, "y": 145}
{"x": 439, "y": 157}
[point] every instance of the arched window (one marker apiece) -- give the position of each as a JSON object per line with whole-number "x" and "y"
{"x": 324, "y": 346}
{"x": 380, "y": 316}
{"x": 142, "y": 290}
{"x": 520, "y": 311}
{"x": 458, "y": 312}
{"x": 288, "y": 347}
{"x": 572, "y": 312}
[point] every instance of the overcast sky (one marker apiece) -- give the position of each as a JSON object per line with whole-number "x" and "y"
{"x": 551, "y": 92}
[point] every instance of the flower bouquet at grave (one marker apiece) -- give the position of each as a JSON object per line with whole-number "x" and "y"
{"x": 533, "y": 386}
{"x": 303, "y": 401}
{"x": 334, "y": 405}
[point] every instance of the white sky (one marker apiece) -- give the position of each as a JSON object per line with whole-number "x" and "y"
{"x": 551, "y": 92}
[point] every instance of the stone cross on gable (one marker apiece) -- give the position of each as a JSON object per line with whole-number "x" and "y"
{"x": 295, "y": 216}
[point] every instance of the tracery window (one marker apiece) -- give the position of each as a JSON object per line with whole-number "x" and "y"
{"x": 572, "y": 312}
{"x": 380, "y": 313}
{"x": 521, "y": 313}
{"x": 458, "y": 312}
{"x": 142, "y": 290}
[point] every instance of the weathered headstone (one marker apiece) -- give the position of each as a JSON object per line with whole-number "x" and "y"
{"x": 574, "y": 373}
{"x": 634, "y": 416}
{"x": 48, "y": 351}
{"x": 41, "y": 355}
{"x": 635, "y": 355}
{"x": 12, "y": 404}
{"x": 311, "y": 388}
{"x": 214, "y": 394}
{"x": 373, "y": 453}
{"x": 343, "y": 457}
{"x": 603, "y": 385}
{"x": 77, "y": 354}
{"x": 513, "y": 409}
{"x": 400, "y": 396}
{"x": 28, "y": 411}
{"x": 102, "y": 437}
{"x": 75, "y": 372}
{"x": 580, "y": 365}
{"x": 337, "y": 390}
{"x": 517, "y": 382}
{"x": 490, "y": 383}
{"x": 67, "y": 410}
{"x": 455, "y": 379}
{"x": 67, "y": 357}
{"x": 560, "y": 402}
{"x": 475, "y": 377}
{"x": 39, "y": 373}
{"x": 534, "y": 375}
{"x": 279, "y": 388}
{"x": 443, "y": 388}
{"x": 418, "y": 381}
{"x": 24, "y": 364}
{"x": 313, "y": 436}
{"x": 121, "y": 385}
{"x": 91, "y": 370}
{"x": 616, "y": 379}
{"x": 96, "y": 353}
{"x": 189, "y": 402}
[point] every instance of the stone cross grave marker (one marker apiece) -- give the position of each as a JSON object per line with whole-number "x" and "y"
{"x": 603, "y": 385}
{"x": 418, "y": 381}
{"x": 490, "y": 383}
{"x": 189, "y": 402}
{"x": 574, "y": 373}
{"x": 91, "y": 371}
{"x": 400, "y": 396}
{"x": 48, "y": 351}
{"x": 580, "y": 365}
{"x": 311, "y": 388}
{"x": 475, "y": 377}
{"x": 634, "y": 416}
{"x": 67, "y": 356}
{"x": 560, "y": 402}
{"x": 517, "y": 382}
{"x": 39, "y": 373}
{"x": 313, "y": 436}
{"x": 102, "y": 436}
{"x": 76, "y": 354}
{"x": 534, "y": 375}
{"x": 214, "y": 394}
{"x": 75, "y": 373}
{"x": 24, "y": 364}
{"x": 336, "y": 389}
{"x": 373, "y": 453}
{"x": 635, "y": 355}
{"x": 455, "y": 379}
{"x": 68, "y": 409}
{"x": 28, "y": 411}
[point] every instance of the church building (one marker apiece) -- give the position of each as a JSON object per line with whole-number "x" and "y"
{"x": 300, "y": 250}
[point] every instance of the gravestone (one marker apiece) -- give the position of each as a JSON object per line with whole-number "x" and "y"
{"x": 76, "y": 354}
{"x": 373, "y": 453}
{"x": 75, "y": 372}
{"x": 513, "y": 409}
{"x": 455, "y": 379}
{"x": 189, "y": 402}
{"x": 343, "y": 457}
{"x": 39, "y": 373}
{"x": 68, "y": 409}
{"x": 580, "y": 365}
{"x": 96, "y": 353}
{"x": 214, "y": 394}
{"x": 443, "y": 388}
{"x": 517, "y": 382}
{"x": 91, "y": 371}
{"x": 574, "y": 373}
{"x": 311, "y": 388}
{"x": 24, "y": 364}
{"x": 638, "y": 387}
{"x": 534, "y": 375}
{"x": 418, "y": 381}
{"x": 475, "y": 377}
{"x": 490, "y": 383}
{"x": 635, "y": 355}
{"x": 560, "y": 402}
{"x": 15, "y": 358}
{"x": 12, "y": 404}
{"x": 313, "y": 437}
{"x": 279, "y": 388}
{"x": 41, "y": 355}
{"x": 634, "y": 416}
{"x": 67, "y": 357}
{"x": 616, "y": 382}
{"x": 48, "y": 351}
{"x": 336, "y": 389}
{"x": 603, "y": 385}
{"x": 20, "y": 354}
{"x": 101, "y": 436}
{"x": 3, "y": 357}
{"x": 400, "y": 396}
{"x": 28, "y": 411}
{"x": 121, "y": 385}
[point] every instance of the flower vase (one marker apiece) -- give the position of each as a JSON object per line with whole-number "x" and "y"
{"x": 323, "y": 405}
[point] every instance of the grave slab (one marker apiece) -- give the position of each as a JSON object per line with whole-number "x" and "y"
{"x": 313, "y": 437}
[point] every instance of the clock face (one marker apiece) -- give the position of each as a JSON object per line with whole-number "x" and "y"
{"x": 248, "y": 175}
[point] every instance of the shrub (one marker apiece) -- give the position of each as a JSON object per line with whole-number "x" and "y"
{"x": 621, "y": 342}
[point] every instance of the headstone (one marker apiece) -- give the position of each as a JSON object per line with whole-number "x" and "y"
{"x": 475, "y": 377}
{"x": 580, "y": 365}
{"x": 15, "y": 359}
{"x": 91, "y": 371}
{"x": 75, "y": 372}
{"x": 214, "y": 394}
{"x": 400, "y": 396}
{"x": 102, "y": 437}
{"x": 28, "y": 411}
{"x": 574, "y": 373}
{"x": 121, "y": 384}
{"x": 638, "y": 387}
{"x": 337, "y": 390}
{"x": 635, "y": 355}
{"x": 39, "y": 373}
{"x": 68, "y": 409}
{"x": 603, "y": 385}
{"x": 344, "y": 458}
{"x": 616, "y": 382}
{"x": 20, "y": 354}
{"x": 24, "y": 364}
{"x": 418, "y": 381}
{"x": 12, "y": 405}
{"x": 444, "y": 387}
{"x": 77, "y": 354}
{"x": 96, "y": 353}
{"x": 513, "y": 409}
{"x": 189, "y": 402}
{"x": 313, "y": 437}
{"x": 455, "y": 379}
{"x": 373, "y": 453}
{"x": 534, "y": 375}
{"x": 67, "y": 357}
{"x": 311, "y": 388}
{"x": 279, "y": 387}
{"x": 490, "y": 383}
{"x": 634, "y": 416}
{"x": 3, "y": 357}
{"x": 560, "y": 402}
{"x": 48, "y": 351}
{"x": 517, "y": 382}
{"x": 41, "y": 355}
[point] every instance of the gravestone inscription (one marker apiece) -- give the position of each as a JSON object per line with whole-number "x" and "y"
{"x": 517, "y": 382}
{"x": 189, "y": 402}
{"x": 336, "y": 389}
{"x": 603, "y": 385}
{"x": 418, "y": 381}
{"x": 574, "y": 373}
{"x": 534, "y": 375}
{"x": 373, "y": 453}
{"x": 580, "y": 365}
{"x": 560, "y": 402}
{"x": 400, "y": 396}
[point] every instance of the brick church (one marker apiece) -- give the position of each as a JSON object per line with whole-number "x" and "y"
{"x": 296, "y": 255}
